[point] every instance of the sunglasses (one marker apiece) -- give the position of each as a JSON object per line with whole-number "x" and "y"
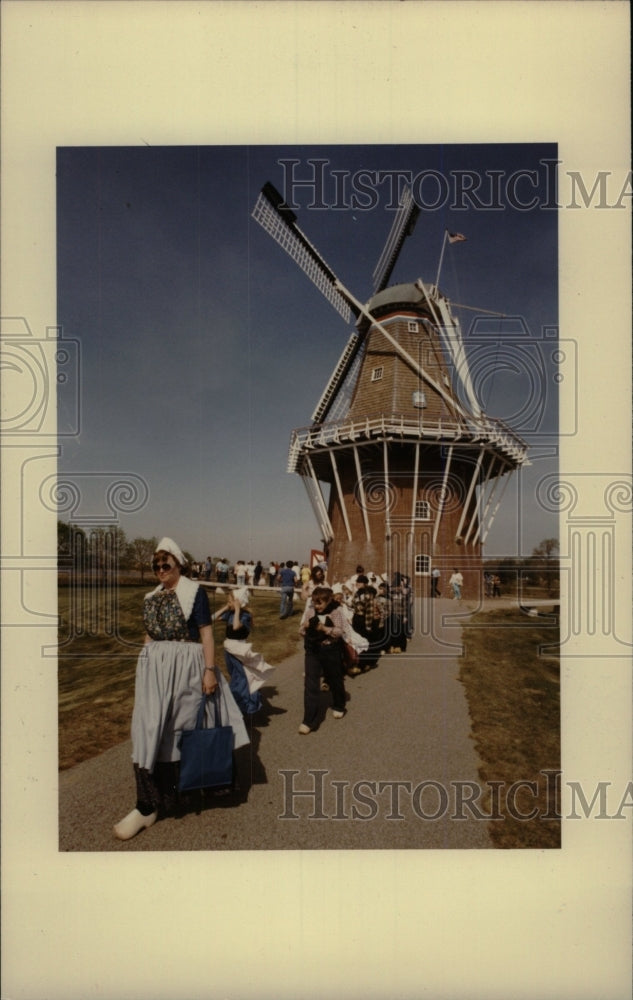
{"x": 163, "y": 565}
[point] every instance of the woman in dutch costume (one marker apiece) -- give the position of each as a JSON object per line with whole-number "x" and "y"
{"x": 175, "y": 666}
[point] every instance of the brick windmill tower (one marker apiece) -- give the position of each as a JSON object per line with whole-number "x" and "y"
{"x": 403, "y": 470}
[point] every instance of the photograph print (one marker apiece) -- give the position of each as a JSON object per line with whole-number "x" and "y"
{"x": 307, "y": 495}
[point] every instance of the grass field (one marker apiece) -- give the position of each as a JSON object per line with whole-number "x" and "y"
{"x": 98, "y": 654}
{"x": 513, "y": 694}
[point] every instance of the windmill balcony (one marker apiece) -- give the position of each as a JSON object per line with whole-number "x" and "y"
{"x": 487, "y": 431}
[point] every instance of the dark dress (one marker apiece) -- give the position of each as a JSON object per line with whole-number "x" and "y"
{"x": 248, "y": 702}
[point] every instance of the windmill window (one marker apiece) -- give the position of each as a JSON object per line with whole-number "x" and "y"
{"x": 412, "y": 326}
{"x": 446, "y": 379}
{"x": 422, "y": 510}
{"x": 422, "y": 565}
{"x": 377, "y": 374}
{"x": 419, "y": 399}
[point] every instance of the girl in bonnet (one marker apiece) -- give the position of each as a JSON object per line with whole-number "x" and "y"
{"x": 247, "y": 669}
{"x": 175, "y": 667}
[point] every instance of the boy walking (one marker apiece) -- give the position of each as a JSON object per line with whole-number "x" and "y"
{"x": 323, "y": 633}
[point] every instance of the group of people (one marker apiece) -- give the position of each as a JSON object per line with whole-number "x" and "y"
{"x": 456, "y": 582}
{"x": 289, "y": 576}
{"x": 246, "y": 573}
{"x": 346, "y": 627}
{"x": 492, "y": 584}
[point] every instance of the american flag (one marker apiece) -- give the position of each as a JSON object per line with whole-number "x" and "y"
{"x": 456, "y": 237}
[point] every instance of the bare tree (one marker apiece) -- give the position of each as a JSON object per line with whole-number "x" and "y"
{"x": 71, "y": 545}
{"x": 140, "y": 552}
{"x": 544, "y": 554}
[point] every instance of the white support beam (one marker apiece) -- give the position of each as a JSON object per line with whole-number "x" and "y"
{"x": 478, "y": 510}
{"x": 498, "y": 504}
{"x": 385, "y": 458}
{"x": 410, "y": 572}
{"x": 471, "y": 488}
{"x": 491, "y": 494}
{"x": 315, "y": 495}
{"x": 361, "y": 494}
{"x": 473, "y": 519}
{"x": 416, "y": 480}
{"x": 440, "y": 506}
{"x": 341, "y": 498}
{"x": 479, "y": 506}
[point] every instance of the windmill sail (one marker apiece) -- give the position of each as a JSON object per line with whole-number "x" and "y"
{"x": 451, "y": 332}
{"x": 338, "y": 377}
{"x": 448, "y": 328}
{"x": 279, "y": 222}
{"x": 403, "y": 225}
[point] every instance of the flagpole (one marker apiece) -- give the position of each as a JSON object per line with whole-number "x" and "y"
{"x": 439, "y": 266}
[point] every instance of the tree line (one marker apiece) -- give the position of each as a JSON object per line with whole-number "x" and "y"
{"x": 103, "y": 550}
{"x": 541, "y": 568}
{"x": 107, "y": 550}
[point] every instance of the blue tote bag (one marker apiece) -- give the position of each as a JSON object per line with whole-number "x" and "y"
{"x": 206, "y": 755}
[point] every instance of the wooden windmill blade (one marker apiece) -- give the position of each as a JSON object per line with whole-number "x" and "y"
{"x": 448, "y": 330}
{"x": 451, "y": 332}
{"x": 338, "y": 377}
{"x": 279, "y": 221}
{"x": 403, "y": 225}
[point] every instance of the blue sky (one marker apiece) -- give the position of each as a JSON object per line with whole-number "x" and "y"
{"x": 203, "y": 345}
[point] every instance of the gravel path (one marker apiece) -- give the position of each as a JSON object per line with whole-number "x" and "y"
{"x": 407, "y": 721}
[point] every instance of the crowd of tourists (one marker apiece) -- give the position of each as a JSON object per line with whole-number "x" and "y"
{"x": 288, "y": 576}
{"x": 346, "y": 628}
{"x": 246, "y": 573}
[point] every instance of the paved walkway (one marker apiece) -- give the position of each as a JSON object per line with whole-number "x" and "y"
{"x": 407, "y": 722}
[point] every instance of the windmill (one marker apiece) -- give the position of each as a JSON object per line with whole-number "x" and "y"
{"x": 403, "y": 469}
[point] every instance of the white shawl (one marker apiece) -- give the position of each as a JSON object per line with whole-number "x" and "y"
{"x": 186, "y": 591}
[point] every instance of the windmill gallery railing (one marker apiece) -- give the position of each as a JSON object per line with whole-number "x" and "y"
{"x": 483, "y": 430}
